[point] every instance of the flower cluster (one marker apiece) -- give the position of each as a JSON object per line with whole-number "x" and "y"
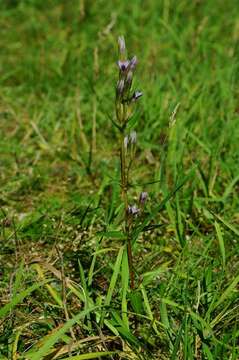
{"x": 124, "y": 95}
{"x": 134, "y": 210}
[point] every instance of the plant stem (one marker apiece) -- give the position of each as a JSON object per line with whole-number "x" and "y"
{"x": 124, "y": 192}
{"x": 130, "y": 261}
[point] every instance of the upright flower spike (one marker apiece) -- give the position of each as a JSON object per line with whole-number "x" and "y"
{"x": 124, "y": 108}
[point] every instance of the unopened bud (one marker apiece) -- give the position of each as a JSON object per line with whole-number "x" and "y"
{"x": 143, "y": 197}
{"x": 136, "y": 95}
{"x": 121, "y": 43}
{"x": 129, "y": 78}
{"x": 120, "y": 87}
{"x": 133, "y": 63}
{"x": 133, "y": 137}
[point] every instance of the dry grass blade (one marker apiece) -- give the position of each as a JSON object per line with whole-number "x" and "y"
{"x": 77, "y": 344}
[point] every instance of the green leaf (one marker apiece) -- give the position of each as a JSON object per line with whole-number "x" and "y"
{"x": 136, "y": 302}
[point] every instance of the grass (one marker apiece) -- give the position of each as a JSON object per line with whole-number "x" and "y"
{"x": 64, "y": 277}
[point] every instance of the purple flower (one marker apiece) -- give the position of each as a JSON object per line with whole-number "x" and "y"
{"x": 133, "y": 137}
{"x": 123, "y": 65}
{"x": 136, "y": 95}
{"x": 133, "y": 210}
{"x": 143, "y": 197}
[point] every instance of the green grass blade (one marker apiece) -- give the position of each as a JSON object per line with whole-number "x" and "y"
{"x": 164, "y": 315}
{"x": 149, "y": 276}
{"x": 56, "y": 336}
{"x": 85, "y": 289}
{"x": 230, "y": 187}
{"x": 226, "y": 223}
{"x": 136, "y": 301}
{"x": 92, "y": 265}
{"x": 207, "y": 352}
{"x": 227, "y": 292}
{"x": 221, "y": 242}
{"x": 126, "y": 333}
{"x": 177, "y": 342}
{"x": 148, "y": 308}
{"x": 50, "y": 289}
{"x": 159, "y": 208}
{"x": 19, "y": 298}
{"x": 19, "y": 276}
{"x": 113, "y": 280}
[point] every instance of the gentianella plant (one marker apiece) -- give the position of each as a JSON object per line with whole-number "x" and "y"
{"x": 125, "y": 101}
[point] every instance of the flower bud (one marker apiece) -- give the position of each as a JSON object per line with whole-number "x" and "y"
{"x": 133, "y": 63}
{"x": 133, "y": 210}
{"x": 133, "y": 137}
{"x": 120, "y": 87}
{"x": 121, "y": 43}
{"x": 143, "y": 197}
{"x": 129, "y": 79}
{"x": 136, "y": 95}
